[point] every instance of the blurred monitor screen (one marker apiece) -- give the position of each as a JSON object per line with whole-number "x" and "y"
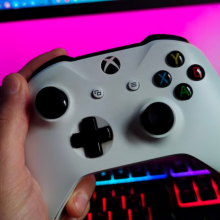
{"x": 11, "y": 10}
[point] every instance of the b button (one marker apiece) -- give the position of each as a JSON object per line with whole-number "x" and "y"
{"x": 175, "y": 59}
{"x": 196, "y": 72}
{"x": 183, "y": 91}
{"x": 162, "y": 79}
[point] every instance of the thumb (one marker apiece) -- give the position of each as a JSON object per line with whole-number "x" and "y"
{"x": 14, "y": 118}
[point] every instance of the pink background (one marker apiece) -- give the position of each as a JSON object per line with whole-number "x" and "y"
{"x": 23, "y": 40}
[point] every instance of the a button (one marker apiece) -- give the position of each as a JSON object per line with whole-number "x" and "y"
{"x": 188, "y": 195}
{"x": 183, "y": 92}
{"x": 110, "y": 65}
{"x": 157, "y": 118}
{"x": 105, "y": 175}
{"x": 196, "y": 72}
{"x": 207, "y": 193}
{"x": 98, "y": 93}
{"x": 179, "y": 167}
{"x": 162, "y": 79}
{"x": 138, "y": 170}
{"x": 51, "y": 102}
{"x": 121, "y": 173}
{"x": 91, "y": 137}
{"x": 175, "y": 59}
{"x": 156, "y": 169}
{"x": 133, "y": 85}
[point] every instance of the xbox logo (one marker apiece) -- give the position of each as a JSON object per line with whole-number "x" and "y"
{"x": 110, "y": 65}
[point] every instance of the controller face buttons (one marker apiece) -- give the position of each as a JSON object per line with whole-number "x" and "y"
{"x": 175, "y": 59}
{"x": 157, "y": 118}
{"x": 196, "y": 72}
{"x": 51, "y": 102}
{"x": 183, "y": 91}
{"x": 162, "y": 79}
{"x": 91, "y": 137}
{"x": 110, "y": 65}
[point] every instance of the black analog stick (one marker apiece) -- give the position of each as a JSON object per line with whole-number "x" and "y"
{"x": 51, "y": 102}
{"x": 157, "y": 118}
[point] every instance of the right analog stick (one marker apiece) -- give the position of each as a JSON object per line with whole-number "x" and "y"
{"x": 51, "y": 102}
{"x": 157, "y": 118}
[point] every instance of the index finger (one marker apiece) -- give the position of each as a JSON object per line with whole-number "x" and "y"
{"x": 32, "y": 65}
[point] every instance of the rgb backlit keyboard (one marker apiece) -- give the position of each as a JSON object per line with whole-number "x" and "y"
{"x": 178, "y": 191}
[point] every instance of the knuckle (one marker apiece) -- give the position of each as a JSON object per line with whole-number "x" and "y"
{"x": 59, "y": 52}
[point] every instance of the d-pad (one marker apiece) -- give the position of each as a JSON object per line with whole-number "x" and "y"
{"x": 91, "y": 137}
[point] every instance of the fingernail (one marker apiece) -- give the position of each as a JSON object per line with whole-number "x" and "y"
{"x": 10, "y": 85}
{"x": 81, "y": 200}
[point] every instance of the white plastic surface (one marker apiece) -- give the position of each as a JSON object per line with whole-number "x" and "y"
{"x": 58, "y": 167}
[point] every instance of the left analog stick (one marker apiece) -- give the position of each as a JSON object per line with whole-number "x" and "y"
{"x": 51, "y": 102}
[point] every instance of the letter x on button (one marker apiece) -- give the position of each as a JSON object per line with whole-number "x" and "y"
{"x": 91, "y": 137}
{"x": 162, "y": 79}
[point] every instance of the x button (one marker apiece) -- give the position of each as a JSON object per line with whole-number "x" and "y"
{"x": 162, "y": 79}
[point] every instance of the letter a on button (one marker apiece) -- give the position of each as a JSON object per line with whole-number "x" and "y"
{"x": 183, "y": 91}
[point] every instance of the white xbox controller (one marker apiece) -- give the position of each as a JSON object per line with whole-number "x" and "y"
{"x": 119, "y": 107}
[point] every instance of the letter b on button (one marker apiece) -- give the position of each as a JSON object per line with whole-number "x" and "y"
{"x": 196, "y": 72}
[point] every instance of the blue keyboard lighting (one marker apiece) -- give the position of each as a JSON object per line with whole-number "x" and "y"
{"x": 18, "y": 4}
{"x": 130, "y": 179}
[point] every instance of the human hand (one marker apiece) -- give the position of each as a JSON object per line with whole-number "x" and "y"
{"x": 20, "y": 194}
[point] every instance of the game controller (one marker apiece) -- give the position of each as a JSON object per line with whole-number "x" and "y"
{"x": 118, "y": 107}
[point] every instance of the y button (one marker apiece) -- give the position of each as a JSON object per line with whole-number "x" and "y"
{"x": 175, "y": 59}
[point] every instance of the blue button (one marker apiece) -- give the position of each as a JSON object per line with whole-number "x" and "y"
{"x": 162, "y": 79}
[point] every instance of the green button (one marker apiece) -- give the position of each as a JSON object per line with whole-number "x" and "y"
{"x": 183, "y": 92}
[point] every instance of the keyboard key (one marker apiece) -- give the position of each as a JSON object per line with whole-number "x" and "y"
{"x": 121, "y": 173}
{"x": 203, "y": 180}
{"x": 187, "y": 196}
{"x": 138, "y": 170}
{"x": 207, "y": 193}
{"x": 103, "y": 191}
{"x": 140, "y": 214}
{"x": 162, "y": 213}
{"x": 89, "y": 217}
{"x": 195, "y": 166}
{"x": 156, "y": 169}
{"x": 179, "y": 167}
{"x": 184, "y": 183}
{"x": 103, "y": 176}
{"x": 96, "y": 206}
{"x": 122, "y": 189}
{"x": 212, "y": 216}
{"x": 133, "y": 202}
